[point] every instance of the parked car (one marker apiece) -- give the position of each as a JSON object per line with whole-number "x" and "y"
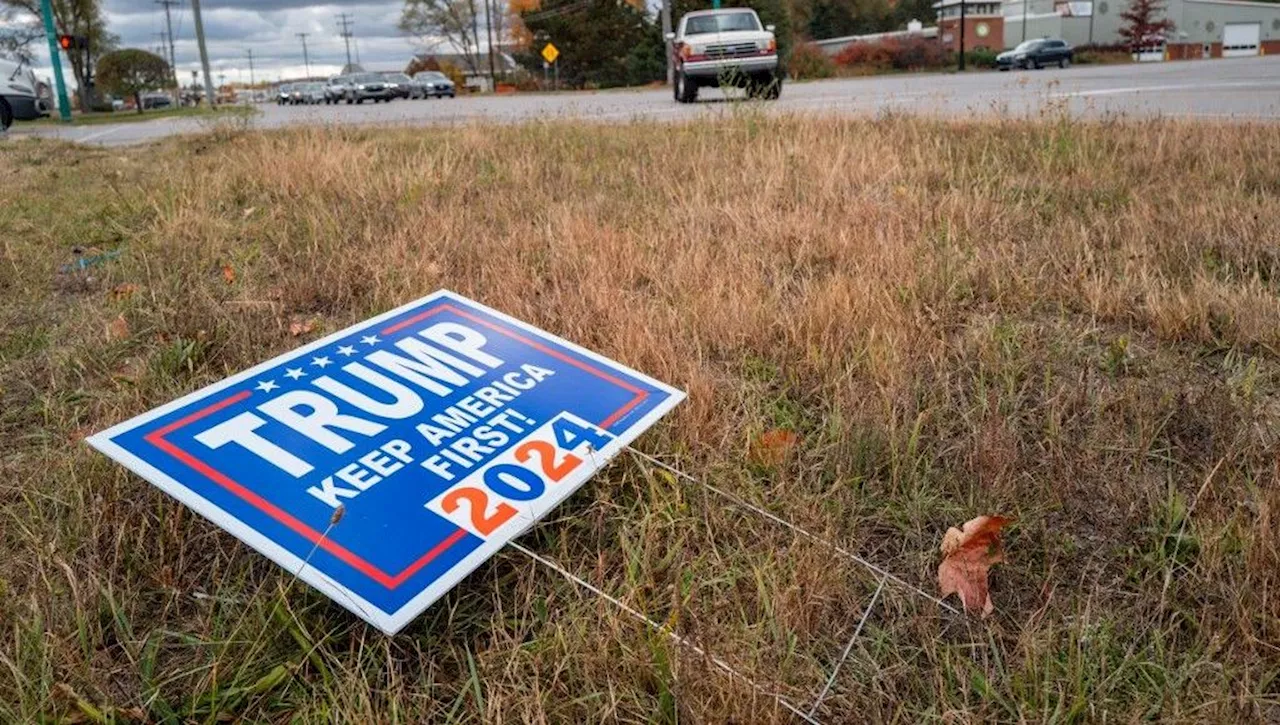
{"x": 307, "y": 94}
{"x": 430, "y": 83}
{"x": 335, "y": 89}
{"x": 20, "y": 97}
{"x": 1037, "y": 54}
{"x": 283, "y": 93}
{"x": 369, "y": 87}
{"x": 400, "y": 83}
{"x": 725, "y": 47}
{"x": 156, "y": 100}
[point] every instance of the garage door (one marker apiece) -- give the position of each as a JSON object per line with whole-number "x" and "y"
{"x": 1240, "y": 39}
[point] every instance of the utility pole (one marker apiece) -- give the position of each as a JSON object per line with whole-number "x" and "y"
{"x": 962, "y": 4}
{"x": 345, "y": 21}
{"x": 168, "y": 24}
{"x": 306, "y": 61}
{"x": 251, "y": 83}
{"x": 666, "y": 31}
{"x": 1025, "y": 3}
{"x": 204, "y": 52}
{"x": 64, "y": 103}
{"x": 488, "y": 32}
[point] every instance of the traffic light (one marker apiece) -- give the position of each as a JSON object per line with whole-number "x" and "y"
{"x": 73, "y": 42}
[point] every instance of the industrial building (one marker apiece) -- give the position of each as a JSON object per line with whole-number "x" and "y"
{"x": 1203, "y": 28}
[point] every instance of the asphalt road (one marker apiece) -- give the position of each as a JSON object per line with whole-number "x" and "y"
{"x": 1241, "y": 88}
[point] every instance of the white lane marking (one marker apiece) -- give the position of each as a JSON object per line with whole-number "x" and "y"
{"x": 105, "y": 132}
{"x": 1171, "y": 87}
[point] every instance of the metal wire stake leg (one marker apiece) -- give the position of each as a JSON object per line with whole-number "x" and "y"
{"x": 848, "y": 648}
{"x": 834, "y": 547}
{"x": 719, "y": 663}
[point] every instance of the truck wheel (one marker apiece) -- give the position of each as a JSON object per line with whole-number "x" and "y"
{"x": 685, "y": 91}
{"x": 773, "y": 89}
{"x": 6, "y": 115}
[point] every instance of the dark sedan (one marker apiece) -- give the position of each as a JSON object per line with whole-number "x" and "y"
{"x": 1037, "y": 54}
{"x": 433, "y": 83}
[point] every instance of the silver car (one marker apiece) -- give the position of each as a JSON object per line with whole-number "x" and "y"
{"x": 369, "y": 87}
{"x": 335, "y": 89}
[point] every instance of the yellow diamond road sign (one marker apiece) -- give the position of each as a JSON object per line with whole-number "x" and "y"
{"x": 550, "y": 53}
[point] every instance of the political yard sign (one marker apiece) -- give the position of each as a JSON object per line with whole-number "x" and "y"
{"x": 385, "y": 462}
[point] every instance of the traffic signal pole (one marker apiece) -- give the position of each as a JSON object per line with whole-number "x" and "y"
{"x": 55, "y": 59}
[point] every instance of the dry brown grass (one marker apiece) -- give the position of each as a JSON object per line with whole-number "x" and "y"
{"x": 1077, "y": 325}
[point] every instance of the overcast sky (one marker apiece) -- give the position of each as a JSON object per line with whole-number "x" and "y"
{"x": 269, "y": 28}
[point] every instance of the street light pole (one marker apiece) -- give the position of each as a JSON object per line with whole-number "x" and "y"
{"x": 962, "y": 4}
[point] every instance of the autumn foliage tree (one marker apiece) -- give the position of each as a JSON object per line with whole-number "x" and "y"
{"x": 602, "y": 43}
{"x": 1144, "y": 24}
{"x": 132, "y": 72}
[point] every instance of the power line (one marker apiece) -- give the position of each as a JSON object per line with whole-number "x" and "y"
{"x": 346, "y": 21}
{"x": 305, "y": 59}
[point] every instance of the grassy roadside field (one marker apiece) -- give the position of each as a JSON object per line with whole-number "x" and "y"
{"x": 1073, "y": 324}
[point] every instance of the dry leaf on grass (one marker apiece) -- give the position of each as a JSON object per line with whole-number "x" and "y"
{"x": 118, "y": 329}
{"x": 967, "y": 556}
{"x": 301, "y": 327}
{"x": 772, "y": 447}
{"x": 228, "y": 274}
{"x": 123, "y": 291}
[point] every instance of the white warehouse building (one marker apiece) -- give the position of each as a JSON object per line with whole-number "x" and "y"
{"x": 1203, "y": 28}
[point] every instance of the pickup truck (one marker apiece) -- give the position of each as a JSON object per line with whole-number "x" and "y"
{"x": 725, "y": 47}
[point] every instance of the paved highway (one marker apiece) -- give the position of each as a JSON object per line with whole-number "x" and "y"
{"x": 1242, "y": 88}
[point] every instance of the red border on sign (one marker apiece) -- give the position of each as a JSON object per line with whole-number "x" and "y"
{"x": 390, "y": 581}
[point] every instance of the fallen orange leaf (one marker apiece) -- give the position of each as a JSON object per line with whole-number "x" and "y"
{"x": 123, "y": 291}
{"x": 228, "y": 273}
{"x": 967, "y": 556}
{"x": 772, "y": 447}
{"x": 118, "y": 329}
{"x": 301, "y": 327}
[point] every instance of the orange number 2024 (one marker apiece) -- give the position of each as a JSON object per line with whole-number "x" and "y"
{"x": 547, "y": 456}
{"x": 478, "y": 502}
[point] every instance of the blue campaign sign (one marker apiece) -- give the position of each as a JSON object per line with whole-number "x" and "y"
{"x": 386, "y": 461}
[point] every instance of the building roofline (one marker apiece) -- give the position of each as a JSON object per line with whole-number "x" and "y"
{"x": 1243, "y": 3}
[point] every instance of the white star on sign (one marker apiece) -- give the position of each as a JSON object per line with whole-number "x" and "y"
{"x": 370, "y": 340}
{"x": 346, "y": 350}
{"x": 266, "y": 386}
{"x": 294, "y": 373}
{"x": 320, "y": 362}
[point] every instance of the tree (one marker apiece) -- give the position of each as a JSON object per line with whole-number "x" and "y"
{"x": 1141, "y": 27}
{"x": 602, "y": 43}
{"x": 76, "y": 17}
{"x": 18, "y": 30}
{"x": 454, "y": 21}
{"x": 132, "y": 72}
